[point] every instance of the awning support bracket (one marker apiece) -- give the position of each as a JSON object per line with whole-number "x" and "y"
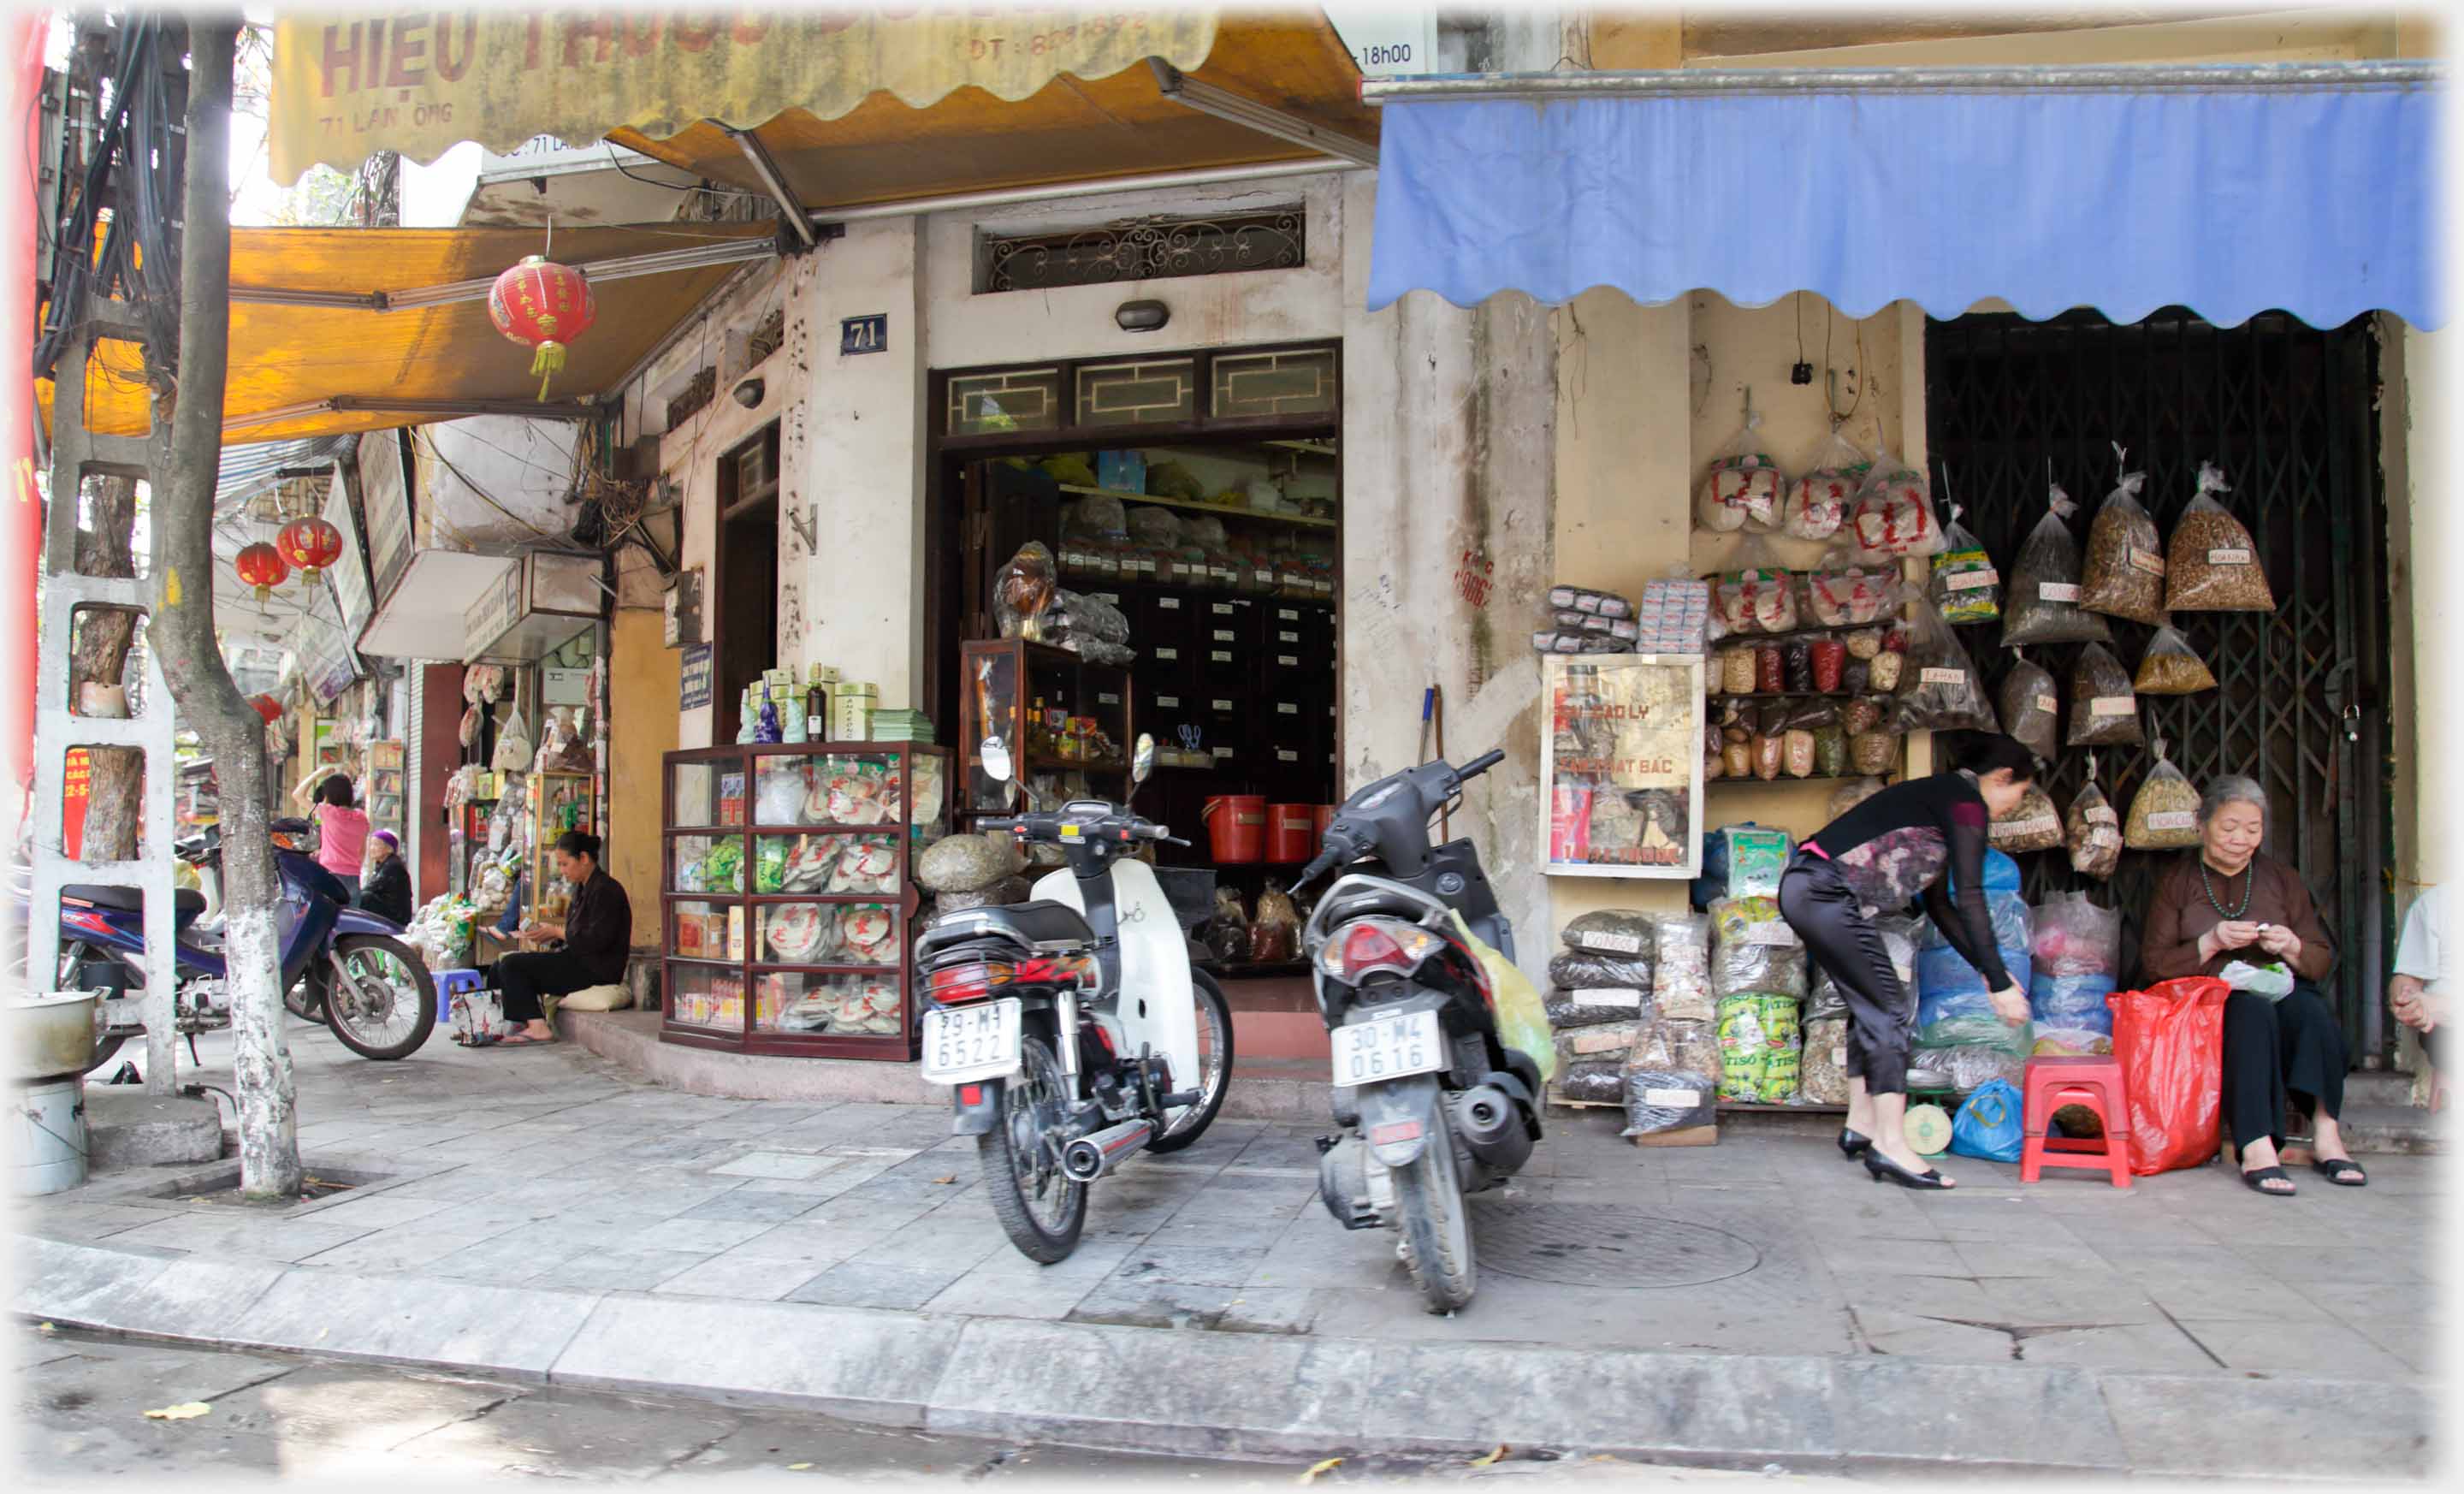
{"x": 765, "y": 165}
{"x": 1225, "y": 104}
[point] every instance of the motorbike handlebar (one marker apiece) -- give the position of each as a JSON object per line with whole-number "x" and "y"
{"x": 1480, "y": 765}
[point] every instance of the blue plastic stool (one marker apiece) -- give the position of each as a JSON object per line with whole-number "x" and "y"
{"x": 450, "y": 981}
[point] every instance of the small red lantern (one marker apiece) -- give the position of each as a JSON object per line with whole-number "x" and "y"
{"x": 262, "y": 566}
{"x": 544, "y": 305}
{"x": 309, "y": 543}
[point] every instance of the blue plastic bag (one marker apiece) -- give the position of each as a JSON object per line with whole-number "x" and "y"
{"x": 1992, "y": 1124}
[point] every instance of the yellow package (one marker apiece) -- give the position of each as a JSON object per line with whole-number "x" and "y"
{"x": 1522, "y": 1020}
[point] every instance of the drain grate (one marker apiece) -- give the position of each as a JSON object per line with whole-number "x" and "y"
{"x": 1586, "y": 1246}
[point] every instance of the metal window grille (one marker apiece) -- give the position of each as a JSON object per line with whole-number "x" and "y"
{"x": 2288, "y": 412}
{"x": 1142, "y": 248}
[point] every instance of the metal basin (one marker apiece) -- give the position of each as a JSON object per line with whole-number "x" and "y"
{"x": 52, "y": 1033}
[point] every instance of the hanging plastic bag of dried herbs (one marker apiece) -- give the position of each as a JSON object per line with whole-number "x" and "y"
{"x": 2104, "y": 710}
{"x": 2125, "y": 575}
{"x": 1744, "y": 488}
{"x": 2165, "y": 812}
{"x": 1965, "y": 585}
{"x": 2092, "y": 830}
{"x": 1819, "y": 502}
{"x": 2029, "y": 709}
{"x": 2172, "y": 667}
{"x": 2213, "y": 566}
{"x": 2032, "y": 824}
{"x": 2042, "y": 606}
{"x": 1939, "y": 691}
{"x": 1894, "y": 512}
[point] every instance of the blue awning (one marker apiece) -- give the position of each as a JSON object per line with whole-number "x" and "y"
{"x": 2231, "y": 200}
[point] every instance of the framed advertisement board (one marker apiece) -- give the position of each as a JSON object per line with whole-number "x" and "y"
{"x": 1621, "y": 767}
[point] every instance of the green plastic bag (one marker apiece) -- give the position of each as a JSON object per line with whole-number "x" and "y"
{"x": 1522, "y": 1017}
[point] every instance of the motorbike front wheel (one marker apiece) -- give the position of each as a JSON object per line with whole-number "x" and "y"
{"x": 382, "y": 1006}
{"x": 1436, "y": 1230}
{"x": 1038, "y": 1207}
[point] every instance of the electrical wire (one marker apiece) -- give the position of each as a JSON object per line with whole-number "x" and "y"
{"x": 675, "y": 186}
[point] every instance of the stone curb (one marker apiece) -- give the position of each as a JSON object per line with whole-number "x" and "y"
{"x": 1164, "y": 1391}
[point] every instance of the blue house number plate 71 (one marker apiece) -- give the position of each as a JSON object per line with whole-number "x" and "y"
{"x": 865, "y": 334}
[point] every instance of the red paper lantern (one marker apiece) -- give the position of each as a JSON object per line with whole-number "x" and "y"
{"x": 262, "y": 566}
{"x": 310, "y": 543}
{"x": 543, "y": 305}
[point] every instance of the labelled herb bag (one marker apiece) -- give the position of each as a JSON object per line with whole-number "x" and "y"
{"x": 1819, "y": 502}
{"x": 2029, "y": 709}
{"x": 1894, "y": 513}
{"x": 2104, "y": 710}
{"x": 1965, "y": 586}
{"x": 2092, "y": 830}
{"x": 1744, "y": 488}
{"x": 2124, "y": 574}
{"x": 2032, "y": 824}
{"x": 2172, "y": 667}
{"x": 1939, "y": 691}
{"x": 1757, "y": 597}
{"x": 2041, "y": 604}
{"x": 2165, "y": 812}
{"x": 2213, "y": 566}
{"x": 1848, "y": 595}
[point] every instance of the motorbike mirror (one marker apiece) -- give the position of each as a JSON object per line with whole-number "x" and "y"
{"x": 996, "y": 759}
{"x": 1143, "y": 760}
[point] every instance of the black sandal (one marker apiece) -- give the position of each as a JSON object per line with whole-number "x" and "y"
{"x": 2341, "y": 1171}
{"x": 2257, "y": 1180}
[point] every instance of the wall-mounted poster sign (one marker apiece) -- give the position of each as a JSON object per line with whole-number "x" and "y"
{"x": 694, "y": 691}
{"x": 1621, "y": 772}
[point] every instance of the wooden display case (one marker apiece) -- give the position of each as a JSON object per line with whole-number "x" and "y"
{"x": 787, "y": 877}
{"x": 1002, "y": 680}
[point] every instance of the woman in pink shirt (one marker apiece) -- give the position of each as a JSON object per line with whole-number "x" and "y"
{"x": 341, "y": 832}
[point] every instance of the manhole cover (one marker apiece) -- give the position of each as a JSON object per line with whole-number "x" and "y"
{"x": 1582, "y": 1245}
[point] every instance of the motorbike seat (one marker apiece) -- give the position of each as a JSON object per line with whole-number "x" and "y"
{"x": 1026, "y": 925}
{"x": 186, "y": 903}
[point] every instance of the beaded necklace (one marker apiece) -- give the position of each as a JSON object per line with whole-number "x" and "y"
{"x": 2249, "y": 888}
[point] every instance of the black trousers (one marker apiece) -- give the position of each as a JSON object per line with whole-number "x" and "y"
{"x": 2274, "y": 1050}
{"x": 521, "y": 979}
{"x": 1838, "y": 937}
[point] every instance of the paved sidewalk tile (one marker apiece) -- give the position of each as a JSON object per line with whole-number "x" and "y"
{"x": 865, "y": 1284}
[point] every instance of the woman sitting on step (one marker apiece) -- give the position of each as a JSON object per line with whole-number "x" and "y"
{"x": 2227, "y": 900}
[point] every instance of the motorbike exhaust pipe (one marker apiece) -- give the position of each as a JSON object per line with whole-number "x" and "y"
{"x": 1091, "y": 1156}
{"x": 1491, "y": 1127}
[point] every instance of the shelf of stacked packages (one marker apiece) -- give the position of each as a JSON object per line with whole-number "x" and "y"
{"x": 787, "y": 878}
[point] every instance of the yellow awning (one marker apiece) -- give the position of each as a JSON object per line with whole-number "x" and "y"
{"x": 1072, "y": 130}
{"x": 306, "y": 360}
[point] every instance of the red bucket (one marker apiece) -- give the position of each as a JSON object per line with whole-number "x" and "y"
{"x": 1237, "y": 826}
{"x": 1291, "y": 834}
{"x": 1320, "y": 817}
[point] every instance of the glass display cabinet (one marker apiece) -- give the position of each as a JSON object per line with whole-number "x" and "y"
{"x": 787, "y": 874}
{"x": 1066, "y": 722}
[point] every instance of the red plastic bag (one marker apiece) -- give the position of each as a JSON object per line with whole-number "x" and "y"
{"x": 2170, "y": 1039}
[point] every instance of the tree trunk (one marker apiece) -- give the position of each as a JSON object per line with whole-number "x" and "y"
{"x": 187, "y": 446}
{"x": 116, "y": 791}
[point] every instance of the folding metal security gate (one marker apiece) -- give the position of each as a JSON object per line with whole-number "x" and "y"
{"x": 2288, "y": 412}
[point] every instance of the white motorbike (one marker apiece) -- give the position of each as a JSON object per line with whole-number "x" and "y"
{"x": 1075, "y": 1030}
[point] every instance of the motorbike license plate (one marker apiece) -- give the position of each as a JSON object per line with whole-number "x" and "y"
{"x": 1389, "y": 1048}
{"x": 964, "y": 1042}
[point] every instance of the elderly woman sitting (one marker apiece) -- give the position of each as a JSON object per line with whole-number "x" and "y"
{"x": 2226, "y": 901}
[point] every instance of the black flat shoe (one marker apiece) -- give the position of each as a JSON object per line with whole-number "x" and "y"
{"x": 2341, "y": 1171}
{"x": 1852, "y": 1144}
{"x": 1884, "y": 1169}
{"x": 2257, "y": 1179}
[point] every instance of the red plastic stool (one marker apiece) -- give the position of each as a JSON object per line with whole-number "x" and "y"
{"x": 2051, "y": 1083}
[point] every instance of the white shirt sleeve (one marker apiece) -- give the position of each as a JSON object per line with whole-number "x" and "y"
{"x": 2421, "y": 953}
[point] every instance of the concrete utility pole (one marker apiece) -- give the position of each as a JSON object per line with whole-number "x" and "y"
{"x": 187, "y": 393}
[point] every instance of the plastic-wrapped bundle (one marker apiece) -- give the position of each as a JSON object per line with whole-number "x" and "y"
{"x": 1970, "y": 1066}
{"x": 1819, "y": 502}
{"x": 1574, "y": 970}
{"x": 1608, "y": 1041}
{"x": 2071, "y": 935}
{"x": 1954, "y": 1006}
{"x": 2092, "y": 830}
{"x": 2043, "y": 604}
{"x": 1964, "y": 580}
{"x": 1744, "y": 488}
{"x": 2104, "y": 709}
{"x": 1758, "y": 1049}
{"x": 1612, "y": 931}
{"x": 1681, "y": 973}
{"x": 2030, "y": 708}
{"x": 1601, "y": 1082}
{"x": 2125, "y": 575}
{"x": 2032, "y": 824}
{"x": 2213, "y": 566}
{"x": 1663, "y": 1098}
{"x": 2165, "y": 812}
{"x": 1939, "y": 688}
{"x": 1754, "y": 948}
{"x": 1592, "y": 1007}
{"x": 1822, "y": 1072}
{"x": 1894, "y": 512}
